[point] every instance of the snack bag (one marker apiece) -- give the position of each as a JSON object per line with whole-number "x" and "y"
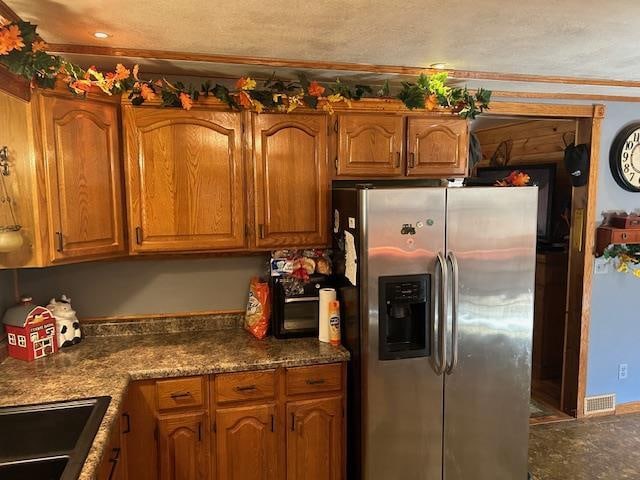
{"x": 258, "y": 313}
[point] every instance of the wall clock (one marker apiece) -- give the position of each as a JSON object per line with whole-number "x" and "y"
{"x": 624, "y": 158}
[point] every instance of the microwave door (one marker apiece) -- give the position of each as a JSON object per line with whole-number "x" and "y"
{"x": 300, "y": 315}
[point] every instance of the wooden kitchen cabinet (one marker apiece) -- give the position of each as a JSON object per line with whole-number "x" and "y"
{"x": 113, "y": 466}
{"x": 185, "y": 179}
{"x": 140, "y": 426}
{"x": 370, "y": 145}
{"x": 315, "y": 439}
{"x": 247, "y": 443}
{"x": 183, "y": 446}
{"x": 82, "y": 168}
{"x": 290, "y": 180}
{"x": 437, "y": 147}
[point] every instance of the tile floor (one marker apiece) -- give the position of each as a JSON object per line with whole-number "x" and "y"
{"x": 606, "y": 448}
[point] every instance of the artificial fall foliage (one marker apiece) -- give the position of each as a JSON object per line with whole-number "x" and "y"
{"x": 24, "y": 53}
{"x": 514, "y": 179}
{"x": 627, "y": 256}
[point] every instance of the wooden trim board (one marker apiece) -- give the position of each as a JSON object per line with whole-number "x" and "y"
{"x": 327, "y": 65}
{"x": 14, "y": 85}
{"x": 627, "y": 408}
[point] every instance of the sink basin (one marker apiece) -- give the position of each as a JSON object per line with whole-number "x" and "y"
{"x": 48, "y": 441}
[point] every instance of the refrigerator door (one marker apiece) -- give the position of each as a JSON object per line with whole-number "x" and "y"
{"x": 491, "y": 234}
{"x": 402, "y": 232}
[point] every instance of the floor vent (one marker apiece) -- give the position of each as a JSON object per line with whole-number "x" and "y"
{"x": 600, "y": 404}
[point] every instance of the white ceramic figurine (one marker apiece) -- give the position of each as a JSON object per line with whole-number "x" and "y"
{"x": 67, "y": 323}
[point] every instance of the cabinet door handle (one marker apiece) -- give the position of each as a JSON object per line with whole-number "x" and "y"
{"x": 397, "y": 159}
{"x": 199, "y": 431}
{"x": 261, "y": 230}
{"x": 180, "y": 394}
{"x": 59, "y": 242}
{"x": 316, "y": 381}
{"x": 411, "y": 162}
{"x": 293, "y": 422}
{"x": 139, "y": 235}
{"x": 115, "y": 458}
{"x": 273, "y": 423}
{"x": 245, "y": 388}
{"x": 127, "y": 417}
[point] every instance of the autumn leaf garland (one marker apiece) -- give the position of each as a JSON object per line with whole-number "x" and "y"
{"x": 24, "y": 53}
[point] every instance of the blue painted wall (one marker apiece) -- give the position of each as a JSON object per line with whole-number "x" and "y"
{"x": 615, "y": 305}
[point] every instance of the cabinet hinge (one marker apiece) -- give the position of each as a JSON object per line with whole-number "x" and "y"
{"x": 335, "y": 126}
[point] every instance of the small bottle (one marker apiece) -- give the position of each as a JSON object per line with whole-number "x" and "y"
{"x": 334, "y": 322}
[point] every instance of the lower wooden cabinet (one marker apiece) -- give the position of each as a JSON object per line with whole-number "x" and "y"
{"x": 315, "y": 439}
{"x": 183, "y": 444}
{"x": 281, "y": 424}
{"x": 112, "y": 466}
{"x": 247, "y": 443}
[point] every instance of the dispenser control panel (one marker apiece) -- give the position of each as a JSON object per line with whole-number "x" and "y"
{"x": 404, "y": 316}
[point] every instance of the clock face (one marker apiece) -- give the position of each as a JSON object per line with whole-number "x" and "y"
{"x": 625, "y": 158}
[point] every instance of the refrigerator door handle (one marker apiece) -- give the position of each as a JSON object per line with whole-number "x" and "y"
{"x": 441, "y": 364}
{"x": 455, "y": 295}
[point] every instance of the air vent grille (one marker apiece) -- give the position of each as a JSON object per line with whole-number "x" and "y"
{"x": 600, "y": 404}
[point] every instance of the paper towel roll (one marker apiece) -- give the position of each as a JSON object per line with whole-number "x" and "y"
{"x": 326, "y": 295}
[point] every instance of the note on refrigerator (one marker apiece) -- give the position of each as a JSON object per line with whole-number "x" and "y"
{"x": 350, "y": 258}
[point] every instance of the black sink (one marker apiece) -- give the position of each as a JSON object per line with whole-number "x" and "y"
{"x": 49, "y": 441}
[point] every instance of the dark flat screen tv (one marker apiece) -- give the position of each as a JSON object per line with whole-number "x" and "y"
{"x": 543, "y": 176}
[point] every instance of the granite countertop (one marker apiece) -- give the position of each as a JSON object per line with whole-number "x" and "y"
{"x": 105, "y": 366}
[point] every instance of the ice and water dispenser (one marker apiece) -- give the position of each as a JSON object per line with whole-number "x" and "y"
{"x": 404, "y": 316}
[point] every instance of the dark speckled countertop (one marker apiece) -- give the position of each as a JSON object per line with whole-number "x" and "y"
{"x": 105, "y": 366}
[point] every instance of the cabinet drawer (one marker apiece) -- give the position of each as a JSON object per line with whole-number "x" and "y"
{"x": 236, "y": 387}
{"x": 625, "y": 236}
{"x": 180, "y": 393}
{"x": 320, "y": 378}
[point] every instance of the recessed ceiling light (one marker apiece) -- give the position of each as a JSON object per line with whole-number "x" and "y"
{"x": 438, "y": 66}
{"x": 101, "y": 35}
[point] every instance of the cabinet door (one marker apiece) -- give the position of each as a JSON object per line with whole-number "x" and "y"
{"x": 185, "y": 179}
{"x": 314, "y": 439}
{"x": 82, "y": 167}
{"x": 247, "y": 443}
{"x": 112, "y": 467}
{"x": 437, "y": 147}
{"x": 140, "y": 431}
{"x": 370, "y": 145}
{"x": 183, "y": 447}
{"x": 291, "y": 181}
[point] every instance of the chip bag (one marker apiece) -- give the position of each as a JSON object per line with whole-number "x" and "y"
{"x": 258, "y": 312}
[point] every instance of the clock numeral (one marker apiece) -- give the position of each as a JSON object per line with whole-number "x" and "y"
{"x": 636, "y": 136}
{"x": 627, "y": 168}
{"x": 625, "y": 155}
{"x": 628, "y": 145}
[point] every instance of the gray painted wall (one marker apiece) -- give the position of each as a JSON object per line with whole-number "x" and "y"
{"x": 615, "y": 317}
{"x": 145, "y": 286}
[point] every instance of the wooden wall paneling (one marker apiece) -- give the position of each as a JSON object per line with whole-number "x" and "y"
{"x": 370, "y": 145}
{"x": 437, "y": 147}
{"x": 16, "y": 132}
{"x": 82, "y": 161}
{"x": 291, "y": 180}
{"x": 185, "y": 178}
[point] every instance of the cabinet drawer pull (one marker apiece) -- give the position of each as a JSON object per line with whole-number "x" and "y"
{"x": 60, "y": 242}
{"x": 245, "y": 388}
{"x": 180, "y": 394}
{"x": 316, "y": 381}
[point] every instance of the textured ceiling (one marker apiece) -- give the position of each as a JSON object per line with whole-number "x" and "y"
{"x": 584, "y": 38}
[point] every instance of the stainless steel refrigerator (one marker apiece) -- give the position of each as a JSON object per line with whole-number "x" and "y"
{"x": 436, "y": 287}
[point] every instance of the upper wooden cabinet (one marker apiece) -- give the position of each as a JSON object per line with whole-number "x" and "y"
{"x": 291, "y": 180}
{"x": 388, "y": 145}
{"x": 370, "y": 145}
{"x": 437, "y": 147}
{"x": 81, "y": 152}
{"x": 185, "y": 179}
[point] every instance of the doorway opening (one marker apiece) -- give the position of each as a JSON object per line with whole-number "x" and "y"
{"x": 535, "y": 145}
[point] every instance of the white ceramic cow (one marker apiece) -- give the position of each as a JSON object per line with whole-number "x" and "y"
{"x": 67, "y": 324}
